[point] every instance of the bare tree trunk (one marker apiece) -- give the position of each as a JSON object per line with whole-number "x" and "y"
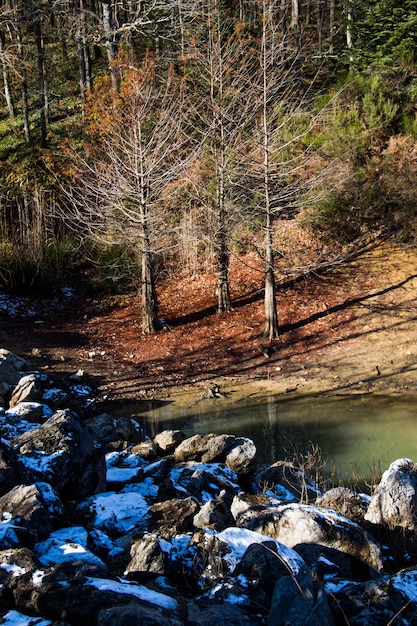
{"x": 6, "y": 77}
{"x": 43, "y": 86}
{"x": 84, "y": 65}
{"x": 150, "y": 322}
{"x": 25, "y": 94}
{"x": 271, "y": 316}
{"x": 331, "y": 24}
{"x": 219, "y": 149}
{"x": 111, "y": 46}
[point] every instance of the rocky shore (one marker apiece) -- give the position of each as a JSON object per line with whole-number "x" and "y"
{"x": 102, "y": 526}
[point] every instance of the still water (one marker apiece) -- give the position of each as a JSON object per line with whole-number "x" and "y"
{"x": 359, "y": 436}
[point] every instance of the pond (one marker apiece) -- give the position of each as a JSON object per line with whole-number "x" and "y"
{"x": 357, "y": 436}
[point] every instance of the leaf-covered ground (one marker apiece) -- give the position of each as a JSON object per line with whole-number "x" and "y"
{"x": 352, "y": 329}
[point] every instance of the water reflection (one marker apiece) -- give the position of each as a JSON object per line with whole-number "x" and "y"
{"x": 359, "y": 435}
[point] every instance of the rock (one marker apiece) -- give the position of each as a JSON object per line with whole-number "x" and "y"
{"x": 83, "y": 600}
{"x": 298, "y": 601}
{"x": 346, "y": 502}
{"x": 205, "y": 482}
{"x": 241, "y": 458}
{"x": 215, "y": 514}
{"x": 14, "y": 563}
{"x": 105, "y": 429}
{"x": 146, "y": 449}
{"x": 137, "y": 614}
{"x": 287, "y": 483}
{"x": 295, "y": 524}
{"x": 192, "y": 448}
{"x": 68, "y": 544}
{"x": 113, "y": 513}
{"x": 213, "y": 614}
{"x": 8, "y": 475}
{"x": 32, "y": 412}
{"x": 263, "y": 566}
{"x": 243, "y": 503}
{"x": 217, "y": 448}
{"x": 168, "y": 440}
{"x": 394, "y": 502}
{"x": 62, "y": 452}
{"x": 28, "y": 389}
{"x": 11, "y": 367}
{"x": 372, "y": 602}
{"x": 172, "y": 517}
{"x": 31, "y": 509}
{"x": 149, "y": 557}
{"x": 4, "y": 392}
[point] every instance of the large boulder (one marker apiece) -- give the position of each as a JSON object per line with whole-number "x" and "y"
{"x": 63, "y": 453}
{"x": 394, "y": 502}
{"x": 298, "y": 524}
{"x": 28, "y": 512}
{"x": 299, "y": 601}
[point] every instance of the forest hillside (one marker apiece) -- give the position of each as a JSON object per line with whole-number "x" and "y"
{"x": 149, "y": 146}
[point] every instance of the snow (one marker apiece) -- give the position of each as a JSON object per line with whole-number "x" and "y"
{"x": 180, "y": 477}
{"x": 133, "y": 589}
{"x": 8, "y": 537}
{"x": 407, "y": 583}
{"x": 122, "y": 467}
{"x": 50, "y": 498}
{"x": 13, "y": 569}
{"x": 14, "y": 618}
{"x": 40, "y": 462}
{"x": 74, "y": 534}
{"x": 116, "y": 512}
{"x": 146, "y": 488}
{"x": 238, "y": 541}
{"x": 55, "y": 550}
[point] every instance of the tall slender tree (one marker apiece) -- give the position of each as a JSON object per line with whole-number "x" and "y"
{"x": 219, "y": 61}
{"x": 123, "y": 191}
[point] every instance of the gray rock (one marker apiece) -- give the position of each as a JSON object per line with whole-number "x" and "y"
{"x": 394, "y": 502}
{"x": 215, "y": 613}
{"x": 215, "y": 514}
{"x": 28, "y": 389}
{"x": 31, "y": 510}
{"x": 217, "y": 448}
{"x": 168, "y": 440}
{"x": 11, "y": 367}
{"x": 147, "y": 450}
{"x": 346, "y": 502}
{"x": 8, "y": 476}
{"x": 172, "y": 517}
{"x": 149, "y": 557}
{"x": 62, "y": 452}
{"x": 192, "y": 448}
{"x": 242, "y": 456}
{"x": 287, "y": 482}
{"x": 371, "y": 602}
{"x": 298, "y": 601}
{"x": 294, "y": 524}
{"x": 32, "y": 412}
{"x": 137, "y": 614}
{"x": 81, "y": 600}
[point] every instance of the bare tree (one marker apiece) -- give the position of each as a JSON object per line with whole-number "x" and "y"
{"x": 219, "y": 59}
{"x": 278, "y": 155}
{"x": 124, "y": 189}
